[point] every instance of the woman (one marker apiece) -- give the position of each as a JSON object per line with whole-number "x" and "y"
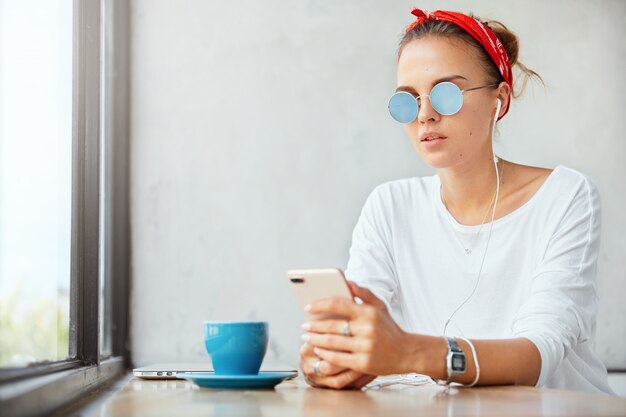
{"x": 500, "y": 255}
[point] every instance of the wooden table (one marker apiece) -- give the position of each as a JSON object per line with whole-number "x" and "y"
{"x": 136, "y": 397}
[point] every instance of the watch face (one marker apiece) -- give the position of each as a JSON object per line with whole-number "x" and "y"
{"x": 458, "y": 363}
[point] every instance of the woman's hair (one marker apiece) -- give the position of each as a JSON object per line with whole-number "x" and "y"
{"x": 450, "y": 30}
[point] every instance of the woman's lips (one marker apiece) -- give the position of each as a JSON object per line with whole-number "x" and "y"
{"x": 432, "y": 139}
{"x": 429, "y": 136}
{"x": 429, "y": 144}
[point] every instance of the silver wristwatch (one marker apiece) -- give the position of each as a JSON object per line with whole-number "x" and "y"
{"x": 455, "y": 360}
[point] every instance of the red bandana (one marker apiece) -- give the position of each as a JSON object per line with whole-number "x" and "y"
{"x": 480, "y": 32}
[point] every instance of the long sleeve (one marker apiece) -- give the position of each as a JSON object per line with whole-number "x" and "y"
{"x": 371, "y": 261}
{"x": 560, "y": 312}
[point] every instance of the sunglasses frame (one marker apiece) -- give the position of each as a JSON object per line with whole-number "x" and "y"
{"x": 428, "y": 95}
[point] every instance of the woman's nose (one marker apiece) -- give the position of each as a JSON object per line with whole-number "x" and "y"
{"x": 426, "y": 111}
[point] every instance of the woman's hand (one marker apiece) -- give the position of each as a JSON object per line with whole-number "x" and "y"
{"x": 376, "y": 345}
{"x": 329, "y": 375}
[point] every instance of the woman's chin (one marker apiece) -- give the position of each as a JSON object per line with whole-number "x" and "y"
{"x": 436, "y": 160}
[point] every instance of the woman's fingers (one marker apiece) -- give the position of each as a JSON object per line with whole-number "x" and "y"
{"x": 324, "y": 368}
{"x": 362, "y": 381}
{"x": 346, "y": 360}
{"x": 336, "y": 306}
{"x": 308, "y": 360}
{"x": 340, "y": 381}
{"x": 366, "y": 295}
{"x": 328, "y": 326}
{"x": 336, "y": 342}
{"x": 328, "y": 369}
{"x": 328, "y": 375}
{"x": 367, "y": 341}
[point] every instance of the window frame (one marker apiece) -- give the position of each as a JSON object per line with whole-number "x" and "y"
{"x": 100, "y": 123}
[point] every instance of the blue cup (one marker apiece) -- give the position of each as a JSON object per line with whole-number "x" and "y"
{"x": 236, "y": 348}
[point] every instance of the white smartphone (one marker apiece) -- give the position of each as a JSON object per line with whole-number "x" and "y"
{"x": 315, "y": 284}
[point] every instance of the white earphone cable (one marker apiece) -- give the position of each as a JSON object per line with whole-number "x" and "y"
{"x": 493, "y": 215}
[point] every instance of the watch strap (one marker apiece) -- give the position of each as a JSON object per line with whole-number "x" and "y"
{"x": 453, "y": 345}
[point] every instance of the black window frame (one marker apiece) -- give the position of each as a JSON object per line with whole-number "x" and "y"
{"x": 100, "y": 102}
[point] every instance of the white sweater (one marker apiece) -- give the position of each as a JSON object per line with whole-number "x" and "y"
{"x": 538, "y": 279}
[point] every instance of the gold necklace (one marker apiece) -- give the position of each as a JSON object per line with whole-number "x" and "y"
{"x": 468, "y": 249}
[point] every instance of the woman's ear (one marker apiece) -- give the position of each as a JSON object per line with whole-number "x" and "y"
{"x": 504, "y": 89}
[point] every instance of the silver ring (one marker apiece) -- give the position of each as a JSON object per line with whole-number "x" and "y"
{"x": 346, "y": 329}
{"x": 316, "y": 367}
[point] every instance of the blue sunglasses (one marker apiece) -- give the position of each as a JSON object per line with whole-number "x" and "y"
{"x": 446, "y": 98}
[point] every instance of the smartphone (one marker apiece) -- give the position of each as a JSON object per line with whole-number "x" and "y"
{"x": 315, "y": 284}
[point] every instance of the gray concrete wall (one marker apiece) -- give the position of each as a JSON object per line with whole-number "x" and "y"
{"x": 259, "y": 128}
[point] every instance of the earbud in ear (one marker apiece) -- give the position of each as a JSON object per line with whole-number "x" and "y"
{"x": 498, "y": 108}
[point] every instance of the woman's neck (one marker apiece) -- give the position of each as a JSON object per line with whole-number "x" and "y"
{"x": 468, "y": 190}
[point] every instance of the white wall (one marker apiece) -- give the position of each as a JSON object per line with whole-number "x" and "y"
{"x": 259, "y": 128}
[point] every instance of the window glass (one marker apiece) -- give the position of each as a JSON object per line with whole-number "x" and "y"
{"x": 35, "y": 179}
{"x": 106, "y": 189}
{"x": 105, "y": 247}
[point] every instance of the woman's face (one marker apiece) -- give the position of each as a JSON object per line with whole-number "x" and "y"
{"x": 465, "y": 136}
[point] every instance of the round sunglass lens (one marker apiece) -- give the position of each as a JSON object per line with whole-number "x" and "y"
{"x": 403, "y": 107}
{"x": 446, "y": 98}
